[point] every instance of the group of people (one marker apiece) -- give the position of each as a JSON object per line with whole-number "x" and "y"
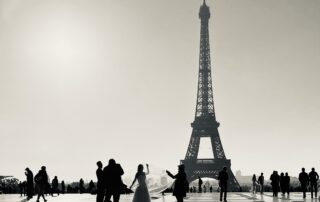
{"x": 282, "y": 182}
{"x": 42, "y": 184}
{"x": 110, "y": 183}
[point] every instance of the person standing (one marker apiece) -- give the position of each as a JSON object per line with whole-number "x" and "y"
{"x": 254, "y": 184}
{"x": 81, "y": 186}
{"x": 287, "y": 184}
{"x": 63, "y": 187}
{"x": 141, "y": 193}
{"x": 30, "y": 184}
{"x": 304, "y": 180}
{"x": 100, "y": 185}
{"x": 282, "y": 184}
{"x": 41, "y": 180}
{"x": 223, "y": 178}
{"x": 261, "y": 183}
{"x": 275, "y": 178}
{"x": 200, "y": 184}
{"x": 55, "y": 186}
{"x": 112, "y": 179}
{"x": 313, "y": 178}
{"x": 180, "y": 184}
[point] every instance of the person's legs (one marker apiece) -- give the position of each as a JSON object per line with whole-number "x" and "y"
{"x": 221, "y": 192}
{"x": 116, "y": 197}
{"x": 179, "y": 198}
{"x": 108, "y": 197}
{"x": 225, "y": 193}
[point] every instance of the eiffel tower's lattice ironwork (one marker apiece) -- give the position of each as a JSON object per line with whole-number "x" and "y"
{"x": 205, "y": 124}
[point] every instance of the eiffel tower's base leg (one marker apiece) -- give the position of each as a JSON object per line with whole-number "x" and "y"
{"x": 210, "y": 168}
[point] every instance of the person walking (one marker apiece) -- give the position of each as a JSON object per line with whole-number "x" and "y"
{"x": 55, "y": 186}
{"x": 261, "y": 183}
{"x": 313, "y": 178}
{"x": 41, "y": 180}
{"x": 223, "y": 178}
{"x": 100, "y": 184}
{"x": 112, "y": 179}
{"x": 180, "y": 184}
{"x": 304, "y": 180}
{"x": 30, "y": 184}
{"x": 200, "y": 184}
{"x": 254, "y": 184}
{"x": 63, "y": 187}
{"x": 282, "y": 184}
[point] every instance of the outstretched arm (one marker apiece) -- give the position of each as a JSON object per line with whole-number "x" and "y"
{"x": 170, "y": 174}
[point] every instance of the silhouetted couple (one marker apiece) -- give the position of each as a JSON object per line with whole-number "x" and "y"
{"x": 304, "y": 179}
{"x": 109, "y": 181}
{"x": 181, "y": 184}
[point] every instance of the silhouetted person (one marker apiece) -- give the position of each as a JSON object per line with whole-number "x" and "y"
{"x": 304, "y": 180}
{"x": 313, "y": 178}
{"x": 41, "y": 180}
{"x": 287, "y": 184}
{"x": 223, "y": 183}
{"x": 261, "y": 183}
{"x": 180, "y": 184}
{"x": 63, "y": 187}
{"x": 100, "y": 184}
{"x": 210, "y": 189}
{"x": 91, "y": 186}
{"x": 275, "y": 179}
{"x": 21, "y": 188}
{"x": 254, "y": 184}
{"x": 81, "y": 186}
{"x": 30, "y": 184}
{"x": 55, "y": 185}
{"x": 200, "y": 184}
{"x": 112, "y": 177}
{"x": 282, "y": 185}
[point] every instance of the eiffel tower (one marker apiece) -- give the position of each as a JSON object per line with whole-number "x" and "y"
{"x": 205, "y": 123}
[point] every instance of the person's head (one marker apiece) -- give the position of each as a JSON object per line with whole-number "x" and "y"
{"x": 112, "y": 162}
{"x": 140, "y": 168}
{"x": 55, "y": 177}
{"x": 224, "y": 168}
{"x": 303, "y": 169}
{"x": 254, "y": 175}
{"x": 286, "y": 174}
{"x": 43, "y": 168}
{"x": 282, "y": 174}
{"x": 261, "y": 174}
{"x": 27, "y": 169}
{"x": 181, "y": 168}
{"x": 312, "y": 169}
{"x": 99, "y": 164}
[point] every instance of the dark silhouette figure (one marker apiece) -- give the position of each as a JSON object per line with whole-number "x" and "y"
{"x": 223, "y": 183}
{"x": 63, "y": 187}
{"x": 100, "y": 184}
{"x": 41, "y": 180}
{"x": 21, "y": 188}
{"x": 210, "y": 189}
{"x": 30, "y": 184}
{"x": 304, "y": 180}
{"x": 112, "y": 179}
{"x": 81, "y": 186}
{"x": 286, "y": 182}
{"x": 275, "y": 179}
{"x": 261, "y": 183}
{"x": 254, "y": 184}
{"x": 282, "y": 185}
{"x": 91, "y": 187}
{"x": 313, "y": 178}
{"x": 181, "y": 183}
{"x": 200, "y": 184}
{"x": 55, "y": 186}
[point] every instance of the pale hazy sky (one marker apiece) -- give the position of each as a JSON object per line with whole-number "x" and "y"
{"x": 87, "y": 80}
